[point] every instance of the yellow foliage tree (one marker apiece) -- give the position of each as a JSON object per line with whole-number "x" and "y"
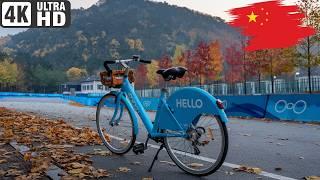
{"x": 135, "y": 44}
{"x": 152, "y": 76}
{"x": 178, "y": 59}
{"x": 139, "y": 45}
{"x": 281, "y": 61}
{"x": 8, "y": 72}
{"x": 75, "y": 74}
{"x": 215, "y": 61}
{"x": 113, "y": 50}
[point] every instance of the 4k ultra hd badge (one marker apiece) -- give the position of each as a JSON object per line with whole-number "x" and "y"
{"x": 35, "y": 13}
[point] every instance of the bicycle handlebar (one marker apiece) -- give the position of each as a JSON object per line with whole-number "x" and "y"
{"x": 134, "y": 58}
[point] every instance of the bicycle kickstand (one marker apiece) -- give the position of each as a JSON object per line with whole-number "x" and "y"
{"x": 155, "y": 157}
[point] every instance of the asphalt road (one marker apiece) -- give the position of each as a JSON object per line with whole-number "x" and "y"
{"x": 291, "y": 148}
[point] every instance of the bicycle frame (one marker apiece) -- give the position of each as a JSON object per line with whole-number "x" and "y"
{"x": 134, "y": 105}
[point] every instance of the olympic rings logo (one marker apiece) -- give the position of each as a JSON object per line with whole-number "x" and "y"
{"x": 298, "y": 108}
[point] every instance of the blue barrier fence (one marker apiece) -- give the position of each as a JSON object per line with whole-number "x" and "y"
{"x": 298, "y": 107}
{"x": 13, "y": 94}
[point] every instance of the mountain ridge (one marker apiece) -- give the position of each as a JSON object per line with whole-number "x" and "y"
{"x": 114, "y": 28}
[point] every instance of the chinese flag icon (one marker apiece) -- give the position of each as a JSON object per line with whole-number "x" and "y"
{"x": 270, "y": 25}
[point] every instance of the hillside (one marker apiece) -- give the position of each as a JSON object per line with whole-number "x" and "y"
{"x": 115, "y": 28}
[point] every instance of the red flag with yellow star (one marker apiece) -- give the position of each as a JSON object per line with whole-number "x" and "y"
{"x": 270, "y": 25}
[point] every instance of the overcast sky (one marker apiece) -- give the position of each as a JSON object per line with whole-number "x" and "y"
{"x": 212, "y": 7}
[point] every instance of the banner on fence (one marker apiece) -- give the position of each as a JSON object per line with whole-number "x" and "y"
{"x": 300, "y": 107}
{"x": 295, "y": 107}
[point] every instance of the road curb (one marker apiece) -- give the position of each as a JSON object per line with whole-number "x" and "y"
{"x": 53, "y": 172}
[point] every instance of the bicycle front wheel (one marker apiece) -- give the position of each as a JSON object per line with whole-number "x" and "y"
{"x": 118, "y": 136}
{"x": 205, "y": 148}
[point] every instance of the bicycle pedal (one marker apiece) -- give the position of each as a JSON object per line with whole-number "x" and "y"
{"x": 138, "y": 148}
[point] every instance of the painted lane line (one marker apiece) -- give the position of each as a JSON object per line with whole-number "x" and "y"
{"x": 230, "y": 165}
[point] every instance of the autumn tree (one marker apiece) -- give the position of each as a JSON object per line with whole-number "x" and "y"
{"x": 178, "y": 59}
{"x": 152, "y": 76}
{"x": 311, "y": 9}
{"x": 141, "y": 76}
{"x": 280, "y": 61}
{"x": 8, "y": 73}
{"x": 165, "y": 62}
{"x": 214, "y": 66}
{"x": 135, "y": 44}
{"x": 75, "y": 74}
{"x": 199, "y": 61}
{"x": 192, "y": 70}
{"x": 233, "y": 58}
{"x": 113, "y": 50}
{"x": 257, "y": 63}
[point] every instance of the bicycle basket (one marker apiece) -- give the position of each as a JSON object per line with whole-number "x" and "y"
{"x": 115, "y": 78}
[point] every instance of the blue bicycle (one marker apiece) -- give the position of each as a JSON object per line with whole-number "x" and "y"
{"x": 190, "y": 124}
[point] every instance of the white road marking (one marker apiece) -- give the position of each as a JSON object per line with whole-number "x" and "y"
{"x": 230, "y": 165}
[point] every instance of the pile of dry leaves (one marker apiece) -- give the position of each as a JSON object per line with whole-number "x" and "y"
{"x": 50, "y": 142}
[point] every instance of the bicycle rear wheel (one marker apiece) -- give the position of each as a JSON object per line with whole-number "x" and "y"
{"x": 205, "y": 149}
{"x": 119, "y": 136}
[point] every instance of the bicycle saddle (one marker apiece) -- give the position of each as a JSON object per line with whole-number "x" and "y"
{"x": 172, "y": 73}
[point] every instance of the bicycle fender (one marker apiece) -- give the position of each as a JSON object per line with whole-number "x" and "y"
{"x": 187, "y": 104}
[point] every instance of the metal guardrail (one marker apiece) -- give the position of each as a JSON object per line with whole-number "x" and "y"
{"x": 280, "y": 86}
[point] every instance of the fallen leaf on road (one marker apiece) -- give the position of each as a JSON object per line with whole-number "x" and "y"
{"x": 2, "y": 173}
{"x": 168, "y": 162}
{"x": 123, "y": 169}
{"x": 27, "y": 156}
{"x": 312, "y": 178}
{"x": 136, "y": 163}
{"x": 40, "y": 165}
{"x": 195, "y": 165}
{"x": 101, "y": 173}
{"x": 101, "y": 153}
{"x": 301, "y": 157}
{"x": 77, "y": 165}
{"x": 210, "y": 134}
{"x": 75, "y": 171}
{"x": 69, "y": 178}
{"x": 50, "y": 141}
{"x": 13, "y": 172}
{"x": 280, "y": 144}
{"x": 2, "y": 161}
{"x": 30, "y": 176}
{"x": 253, "y": 170}
{"x": 8, "y": 133}
{"x": 147, "y": 178}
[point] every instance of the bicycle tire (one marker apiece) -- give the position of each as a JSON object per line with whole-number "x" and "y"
{"x": 219, "y": 161}
{"x": 100, "y": 129}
